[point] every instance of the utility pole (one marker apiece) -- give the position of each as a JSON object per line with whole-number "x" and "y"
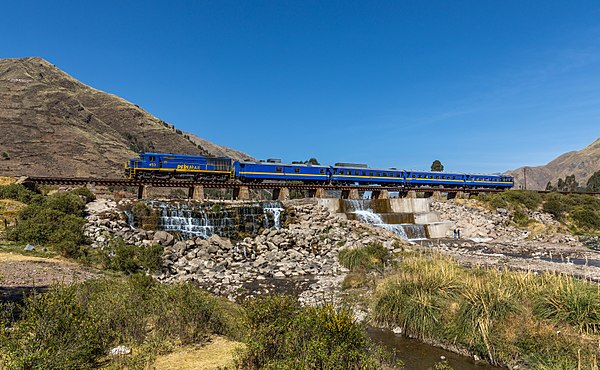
{"x": 525, "y": 177}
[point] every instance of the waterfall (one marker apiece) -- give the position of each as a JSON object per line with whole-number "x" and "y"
{"x": 364, "y": 213}
{"x": 362, "y": 210}
{"x": 273, "y": 209}
{"x": 130, "y": 220}
{"x": 184, "y": 221}
{"x": 204, "y": 220}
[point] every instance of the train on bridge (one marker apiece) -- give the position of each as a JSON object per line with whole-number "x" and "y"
{"x": 178, "y": 166}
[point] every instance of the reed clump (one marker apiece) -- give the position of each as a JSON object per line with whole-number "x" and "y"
{"x": 509, "y": 318}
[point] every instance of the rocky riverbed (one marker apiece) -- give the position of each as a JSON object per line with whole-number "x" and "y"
{"x": 302, "y": 255}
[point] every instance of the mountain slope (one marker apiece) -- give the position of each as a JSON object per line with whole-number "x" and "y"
{"x": 54, "y": 125}
{"x": 581, "y": 163}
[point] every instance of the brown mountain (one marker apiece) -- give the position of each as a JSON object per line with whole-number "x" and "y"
{"x": 53, "y": 125}
{"x": 581, "y": 163}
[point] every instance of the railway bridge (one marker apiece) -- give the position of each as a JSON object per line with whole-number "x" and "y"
{"x": 241, "y": 191}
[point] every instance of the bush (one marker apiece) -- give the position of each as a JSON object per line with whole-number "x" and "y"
{"x": 521, "y": 218}
{"x": 73, "y": 327}
{"x": 586, "y": 218}
{"x": 67, "y": 203}
{"x": 514, "y": 199}
{"x": 119, "y": 256}
{"x": 372, "y": 256}
{"x": 284, "y": 335}
{"x": 20, "y": 193}
{"x": 85, "y": 193}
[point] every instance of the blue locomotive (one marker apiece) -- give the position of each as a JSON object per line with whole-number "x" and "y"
{"x": 160, "y": 165}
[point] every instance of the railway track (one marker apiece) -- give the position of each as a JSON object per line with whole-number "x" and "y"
{"x": 84, "y": 181}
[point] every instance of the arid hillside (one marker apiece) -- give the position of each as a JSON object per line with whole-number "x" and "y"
{"x": 53, "y": 125}
{"x": 581, "y": 163}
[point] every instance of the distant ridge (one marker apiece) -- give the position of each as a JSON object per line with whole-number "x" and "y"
{"x": 581, "y": 163}
{"x": 53, "y": 125}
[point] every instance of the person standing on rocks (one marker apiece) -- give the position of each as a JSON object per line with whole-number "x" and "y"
{"x": 458, "y": 233}
{"x": 454, "y": 231}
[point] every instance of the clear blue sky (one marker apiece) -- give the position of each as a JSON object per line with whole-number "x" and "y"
{"x": 484, "y": 86}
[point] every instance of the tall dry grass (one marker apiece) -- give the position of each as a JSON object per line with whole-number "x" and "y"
{"x": 510, "y": 318}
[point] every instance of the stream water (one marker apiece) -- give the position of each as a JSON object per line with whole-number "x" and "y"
{"x": 420, "y": 356}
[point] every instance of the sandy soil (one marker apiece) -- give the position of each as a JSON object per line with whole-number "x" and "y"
{"x": 21, "y": 274}
{"x": 218, "y": 353}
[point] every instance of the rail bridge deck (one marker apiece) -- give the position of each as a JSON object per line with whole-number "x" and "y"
{"x": 240, "y": 190}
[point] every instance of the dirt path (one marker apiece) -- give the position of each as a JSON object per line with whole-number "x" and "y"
{"x": 22, "y": 274}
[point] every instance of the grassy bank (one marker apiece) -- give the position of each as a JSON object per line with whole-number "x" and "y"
{"x": 580, "y": 213}
{"x": 74, "y": 327}
{"x": 543, "y": 321}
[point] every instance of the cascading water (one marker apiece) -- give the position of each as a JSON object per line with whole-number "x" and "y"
{"x": 185, "y": 221}
{"x": 273, "y": 209}
{"x": 130, "y": 220}
{"x": 362, "y": 211}
{"x": 191, "y": 220}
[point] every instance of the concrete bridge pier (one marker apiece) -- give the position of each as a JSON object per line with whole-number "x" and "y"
{"x": 350, "y": 194}
{"x": 380, "y": 194}
{"x": 316, "y": 193}
{"x": 241, "y": 193}
{"x": 144, "y": 191}
{"x": 411, "y": 194}
{"x": 281, "y": 194}
{"x": 196, "y": 192}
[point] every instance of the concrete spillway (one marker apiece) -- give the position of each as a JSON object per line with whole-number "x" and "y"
{"x": 409, "y": 218}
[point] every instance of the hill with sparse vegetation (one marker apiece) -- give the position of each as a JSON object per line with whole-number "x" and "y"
{"x": 54, "y": 125}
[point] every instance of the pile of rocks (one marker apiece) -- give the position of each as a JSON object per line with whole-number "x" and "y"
{"x": 307, "y": 247}
{"x": 477, "y": 222}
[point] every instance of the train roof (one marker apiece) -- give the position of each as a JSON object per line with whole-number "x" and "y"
{"x": 181, "y": 155}
{"x": 284, "y": 164}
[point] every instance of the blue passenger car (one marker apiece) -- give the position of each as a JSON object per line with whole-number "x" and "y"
{"x": 489, "y": 181}
{"x": 267, "y": 171}
{"x": 431, "y": 178}
{"x": 365, "y": 175}
{"x": 160, "y": 165}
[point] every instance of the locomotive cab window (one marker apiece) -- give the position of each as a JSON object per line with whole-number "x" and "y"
{"x": 296, "y": 170}
{"x": 321, "y": 171}
{"x": 278, "y": 169}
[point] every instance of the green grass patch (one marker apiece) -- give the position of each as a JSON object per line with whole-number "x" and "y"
{"x": 370, "y": 257}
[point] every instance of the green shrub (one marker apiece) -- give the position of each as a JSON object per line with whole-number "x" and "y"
{"x": 119, "y": 256}
{"x": 85, "y": 193}
{"x": 73, "y": 327}
{"x": 284, "y": 335}
{"x": 555, "y": 206}
{"x": 20, "y": 193}
{"x": 67, "y": 203}
{"x": 521, "y": 218}
{"x": 372, "y": 256}
{"x": 586, "y": 218}
{"x": 514, "y": 199}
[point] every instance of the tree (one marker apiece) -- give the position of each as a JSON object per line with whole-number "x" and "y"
{"x": 549, "y": 186}
{"x": 568, "y": 184}
{"x": 312, "y": 161}
{"x": 593, "y": 184}
{"x": 437, "y": 166}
